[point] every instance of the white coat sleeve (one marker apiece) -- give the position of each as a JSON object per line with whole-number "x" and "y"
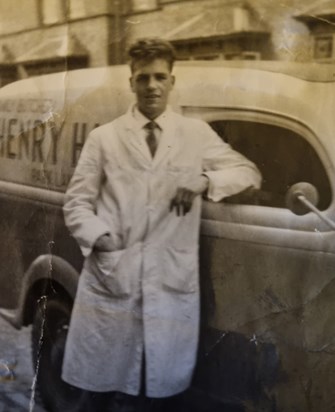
{"x": 228, "y": 171}
{"x": 82, "y": 194}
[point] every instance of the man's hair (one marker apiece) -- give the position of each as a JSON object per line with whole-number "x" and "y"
{"x": 150, "y": 49}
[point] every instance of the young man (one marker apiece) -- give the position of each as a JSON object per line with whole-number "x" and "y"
{"x": 133, "y": 205}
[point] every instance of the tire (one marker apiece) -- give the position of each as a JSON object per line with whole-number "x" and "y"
{"x": 48, "y": 343}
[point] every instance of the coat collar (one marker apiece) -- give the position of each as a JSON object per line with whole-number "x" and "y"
{"x": 162, "y": 120}
{"x": 167, "y": 123}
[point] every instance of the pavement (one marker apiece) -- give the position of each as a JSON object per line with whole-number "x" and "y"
{"x": 16, "y": 372}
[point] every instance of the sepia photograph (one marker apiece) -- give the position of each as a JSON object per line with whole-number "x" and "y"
{"x": 167, "y": 206}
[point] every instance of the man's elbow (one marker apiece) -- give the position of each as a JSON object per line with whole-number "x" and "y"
{"x": 255, "y": 177}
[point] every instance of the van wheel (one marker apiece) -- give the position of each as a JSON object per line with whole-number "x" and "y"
{"x": 48, "y": 343}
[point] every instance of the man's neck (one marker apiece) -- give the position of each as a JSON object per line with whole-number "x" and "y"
{"x": 150, "y": 116}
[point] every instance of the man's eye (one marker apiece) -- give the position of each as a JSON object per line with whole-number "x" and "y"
{"x": 141, "y": 78}
{"x": 161, "y": 77}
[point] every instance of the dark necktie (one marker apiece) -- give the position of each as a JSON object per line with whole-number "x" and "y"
{"x": 151, "y": 138}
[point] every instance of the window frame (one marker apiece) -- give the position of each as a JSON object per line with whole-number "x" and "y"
{"x": 73, "y": 11}
{"x": 319, "y": 36}
{"x": 63, "y": 12}
{"x": 258, "y": 116}
{"x": 242, "y": 55}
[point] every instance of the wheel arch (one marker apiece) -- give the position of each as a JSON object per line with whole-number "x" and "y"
{"x": 48, "y": 275}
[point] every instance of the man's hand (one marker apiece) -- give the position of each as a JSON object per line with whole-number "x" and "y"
{"x": 183, "y": 199}
{"x": 104, "y": 243}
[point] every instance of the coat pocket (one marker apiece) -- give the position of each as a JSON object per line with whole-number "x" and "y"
{"x": 112, "y": 271}
{"x": 180, "y": 270}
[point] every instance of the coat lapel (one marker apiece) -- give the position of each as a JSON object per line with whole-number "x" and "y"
{"x": 131, "y": 139}
{"x": 169, "y": 139}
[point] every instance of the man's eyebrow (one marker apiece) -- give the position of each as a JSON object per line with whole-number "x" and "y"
{"x": 141, "y": 75}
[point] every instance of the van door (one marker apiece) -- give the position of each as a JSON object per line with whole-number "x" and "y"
{"x": 263, "y": 268}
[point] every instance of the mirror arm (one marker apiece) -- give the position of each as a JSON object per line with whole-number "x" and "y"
{"x": 311, "y": 207}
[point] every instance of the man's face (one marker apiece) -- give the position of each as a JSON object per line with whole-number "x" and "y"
{"x": 152, "y": 82}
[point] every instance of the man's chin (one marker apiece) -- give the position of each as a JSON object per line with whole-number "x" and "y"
{"x": 152, "y": 111}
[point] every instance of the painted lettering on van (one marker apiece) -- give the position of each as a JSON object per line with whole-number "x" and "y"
{"x": 24, "y": 139}
{"x": 43, "y": 176}
{"x": 59, "y": 178}
{"x": 20, "y": 139}
{"x": 26, "y": 105}
{"x": 78, "y": 139}
{"x": 35, "y": 106}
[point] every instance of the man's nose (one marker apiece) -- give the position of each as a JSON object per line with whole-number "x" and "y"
{"x": 152, "y": 82}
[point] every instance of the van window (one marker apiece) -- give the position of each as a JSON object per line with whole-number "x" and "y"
{"x": 282, "y": 156}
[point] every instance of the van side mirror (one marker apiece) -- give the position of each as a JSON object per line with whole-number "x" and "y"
{"x": 300, "y": 197}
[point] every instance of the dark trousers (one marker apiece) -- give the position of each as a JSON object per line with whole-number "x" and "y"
{"x": 121, "y": 402}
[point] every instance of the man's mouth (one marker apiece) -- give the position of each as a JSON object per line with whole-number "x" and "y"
{"x": 152, "y": 96}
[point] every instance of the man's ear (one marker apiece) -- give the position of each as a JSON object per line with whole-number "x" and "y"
{"x": 173, "y": 80}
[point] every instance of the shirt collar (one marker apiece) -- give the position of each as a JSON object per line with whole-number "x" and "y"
{"x": 162, "y": 120}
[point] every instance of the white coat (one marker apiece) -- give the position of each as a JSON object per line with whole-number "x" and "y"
{"x": 144, "y": 296}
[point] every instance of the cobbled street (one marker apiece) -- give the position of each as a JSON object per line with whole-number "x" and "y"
{"x": 16, "y": 372}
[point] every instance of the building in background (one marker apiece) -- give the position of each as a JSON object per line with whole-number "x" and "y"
{"x": 44, "y": 36}
{"x": 320, "y": 20}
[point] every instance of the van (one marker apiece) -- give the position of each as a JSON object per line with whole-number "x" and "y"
{"x": 266, "y": 257}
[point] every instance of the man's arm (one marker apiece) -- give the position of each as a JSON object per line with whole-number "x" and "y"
{"x": 225, "y": 173}
{"x": 183, "y": 199}
{"x": 81, "y": 198}
{"x": 228, "y": 171}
